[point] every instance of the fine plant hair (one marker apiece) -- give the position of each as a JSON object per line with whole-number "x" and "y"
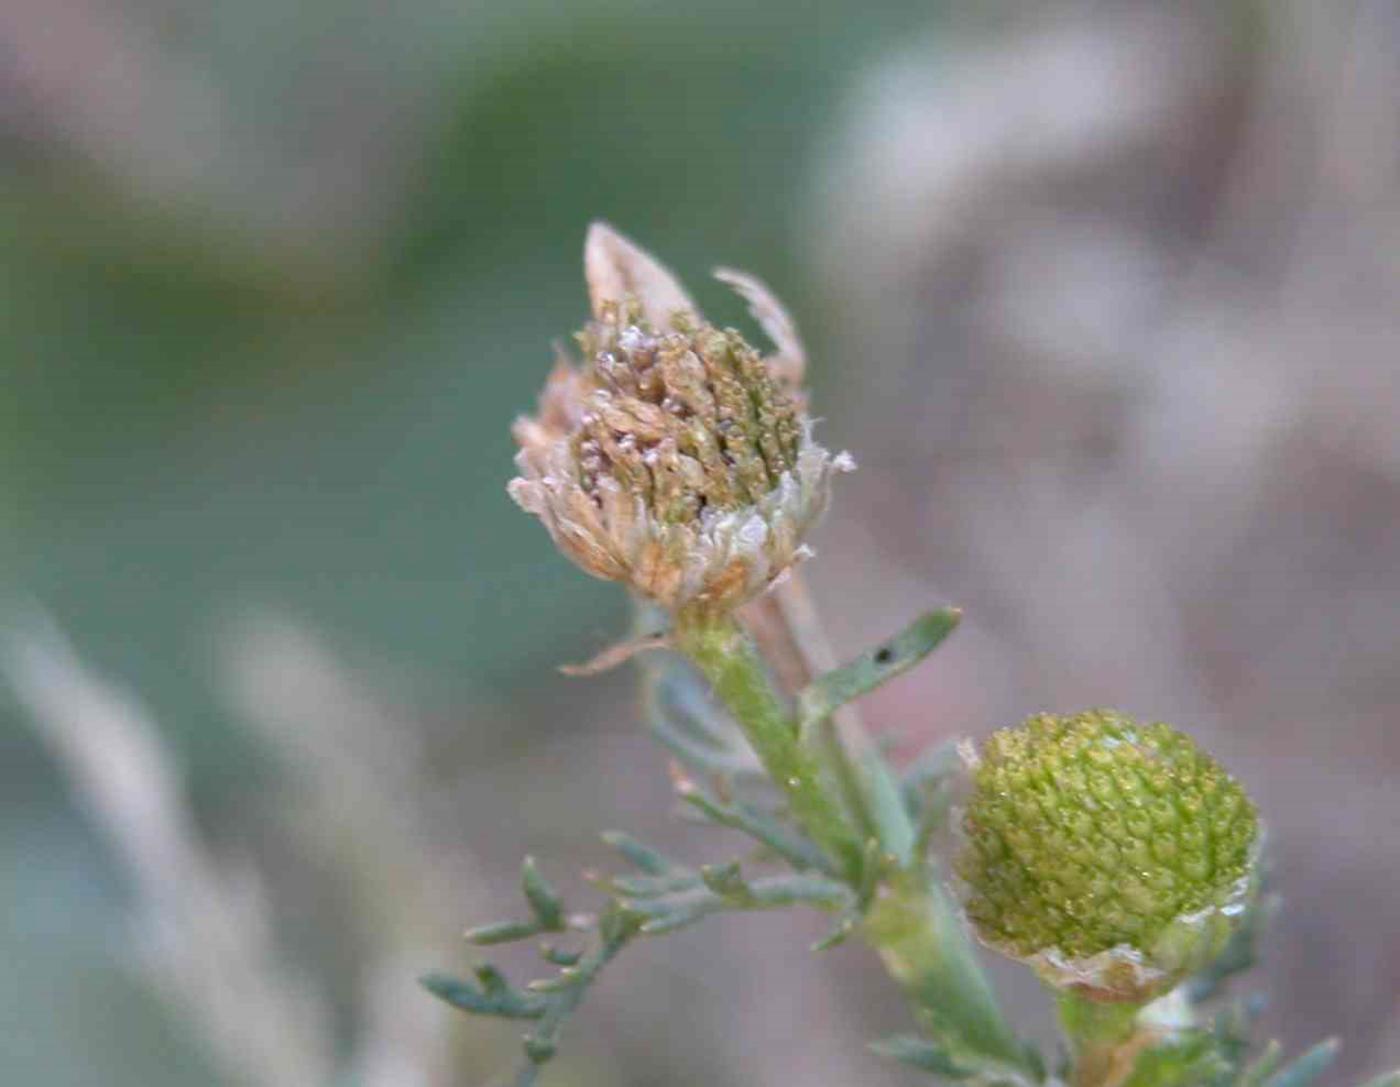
{"x": 1113, "y": 857}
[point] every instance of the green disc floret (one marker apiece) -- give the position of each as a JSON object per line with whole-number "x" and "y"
{"x": 1093, "y": 832}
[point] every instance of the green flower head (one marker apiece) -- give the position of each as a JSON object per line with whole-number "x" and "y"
{"x": 1114, "y": 857}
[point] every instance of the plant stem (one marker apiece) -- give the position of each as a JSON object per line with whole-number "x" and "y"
{"x": 916, "y": 930}
{"x": 726, "y": 656}
{"x": 869, "y": 789}
{"x": 912, "y": 924}
{"x": 1102, "y": 1038}
{"x": 788, "y": 632}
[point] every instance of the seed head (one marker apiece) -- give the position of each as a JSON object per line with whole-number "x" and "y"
{"x": 673, "y": 457}
{"x": 1114, "y": 857}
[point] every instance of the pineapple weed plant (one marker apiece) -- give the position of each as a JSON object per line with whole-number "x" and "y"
{"x": 1116, "y": 859}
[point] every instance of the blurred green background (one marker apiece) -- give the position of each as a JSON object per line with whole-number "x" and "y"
{"x": 239, "y": 385}
{"x": 274, "y": 280}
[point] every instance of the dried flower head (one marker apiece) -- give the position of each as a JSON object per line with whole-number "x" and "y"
{"x": 674, "y": 458}
{"x": 1113, "y": 857}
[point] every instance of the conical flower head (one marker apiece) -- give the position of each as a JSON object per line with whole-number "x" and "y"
{"x": 1112, "y": 856}
{"x": 674, "y": 457}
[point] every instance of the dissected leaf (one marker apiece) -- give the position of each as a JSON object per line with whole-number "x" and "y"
{"x": 506, "y": 1003}
{"x": 558, "y": 957}
{"x": 725, "y": 881}
{"x": 501, "y": 932}
{"x": 791, "y": 845}
{"x": 543, "y": 898}
{"x": 643, "y": 857}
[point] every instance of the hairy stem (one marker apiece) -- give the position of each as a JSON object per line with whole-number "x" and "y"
{"x": 915, "y": 929}
{"x": 787, "y": 629}
{"x": 1103, "y": 1039}
{"x": 912, "y": 924}
{"x": 867, "y": 786}
{"x": 728, "y": 659}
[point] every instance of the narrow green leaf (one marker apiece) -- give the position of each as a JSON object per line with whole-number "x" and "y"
{"x": 830, "y": 692}
{"x": 672, "y": 882}
{"x": 856, "y": 907}
{"x": 501, "y": 932}
{"x": 1306, "y": 1068}
{"x": 897, "y": 834}
{"x": 506, "y": 1004}
{"x": 798, "y": 851}
{"x": 543, "y": 898}
{"x": 1262, "y": 1067}
{"x": 799, "y": 889}
{"x": 695, "y": 756}
{"x": 665, "y": 905}
{"x": 1386, "y": 1079}
{"x": 692, "y": 726}
{"x": 725, "y": 890}
{"x": 922, "y": 1054}
{"x": 725, "y": 881}
{"x": 643, "y": 857}
{"x": 558, "y": 957}
{"x": 565, "y": 979}
{"x": 617, "y": 925}
{"x": 870, "y": 875}
{"x": 679, "y": 917}
{"x": 873, "y": 792}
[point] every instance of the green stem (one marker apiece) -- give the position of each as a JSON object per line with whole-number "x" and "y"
{"x": 728, "y": 659}
{"x": 826, "y": 745}
{"x": 912, "y": 924}
{"x": 1102, "y": 1038}
{"x": 916, "y": 930}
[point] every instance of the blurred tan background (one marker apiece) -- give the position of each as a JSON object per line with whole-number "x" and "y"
{"x": 1104, "y": 297}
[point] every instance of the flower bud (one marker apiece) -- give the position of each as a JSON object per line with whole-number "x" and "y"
{"x": 1115, "y": 858}
{"x": 674, "y": 457}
